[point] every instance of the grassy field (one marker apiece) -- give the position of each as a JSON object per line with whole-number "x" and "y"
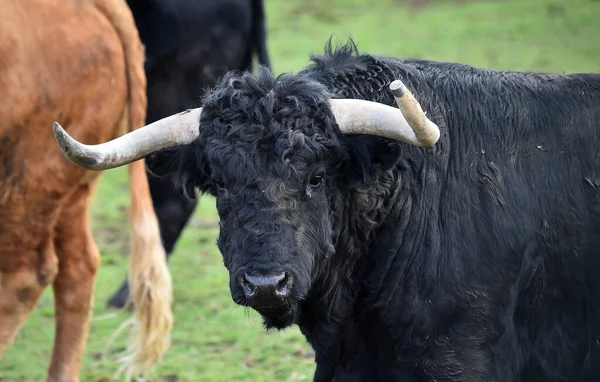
{"x": 213, "y": 339}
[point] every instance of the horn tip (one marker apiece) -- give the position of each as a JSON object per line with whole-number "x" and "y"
{"x": 60, "y": 134}
{"x": 71, "y": 151}
{"x": 398, "y": 88}
{"x": 431, "y": 141}
{"x": 56, "y": 127}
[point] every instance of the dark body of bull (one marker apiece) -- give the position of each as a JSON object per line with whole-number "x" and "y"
{"x": 189, "y": 45}
{"x": 472, "y": 260}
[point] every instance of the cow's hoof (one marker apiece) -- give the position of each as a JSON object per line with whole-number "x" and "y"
{"x": 120, "y": 299}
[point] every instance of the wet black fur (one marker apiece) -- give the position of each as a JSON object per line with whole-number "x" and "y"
{"x": 472, "y": 260}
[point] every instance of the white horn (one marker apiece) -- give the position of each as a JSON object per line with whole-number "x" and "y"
{"x": 175, "y": 130}
{"x": 407, "y": 124}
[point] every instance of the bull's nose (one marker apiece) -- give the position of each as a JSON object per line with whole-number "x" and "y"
{"x": 266, "y": 289}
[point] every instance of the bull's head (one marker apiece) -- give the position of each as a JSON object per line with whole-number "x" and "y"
{"x": 273, "y": 153}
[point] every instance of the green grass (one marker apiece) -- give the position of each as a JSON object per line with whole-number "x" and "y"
{"x": 213, "y": 339}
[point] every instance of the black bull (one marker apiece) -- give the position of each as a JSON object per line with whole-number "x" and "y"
{"x": 189, "y": 45}
{"x": 472, "y": 260}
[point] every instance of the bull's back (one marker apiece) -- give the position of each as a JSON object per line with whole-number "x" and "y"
{"x": 58, "y": 62}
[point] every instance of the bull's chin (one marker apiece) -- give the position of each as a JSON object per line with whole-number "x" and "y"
{"x": 278, "y": 317}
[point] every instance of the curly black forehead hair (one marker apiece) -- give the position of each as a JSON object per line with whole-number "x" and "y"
{"x": 260, "y": 121}
{"x": 263, "y": 105}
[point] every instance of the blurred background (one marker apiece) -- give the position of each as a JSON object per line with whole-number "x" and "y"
{"x": 213, "y": 339}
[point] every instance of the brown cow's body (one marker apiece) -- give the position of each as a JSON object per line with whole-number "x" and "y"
{"x": 69, "y": 61}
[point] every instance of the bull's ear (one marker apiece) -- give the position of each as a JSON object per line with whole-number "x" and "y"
{"x": 162, "y": 163}
{"x": 185, "y": 166}
{"x": 367, "y": 155}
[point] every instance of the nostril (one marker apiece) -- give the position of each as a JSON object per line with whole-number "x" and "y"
{"x": 284, "y": 284}
{"x": 266, "y": 288}
{"x": 247, "y": 286}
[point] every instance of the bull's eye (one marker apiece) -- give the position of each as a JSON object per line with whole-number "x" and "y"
{"x": 314, "y": 183}
{"x": 315, "y": 180}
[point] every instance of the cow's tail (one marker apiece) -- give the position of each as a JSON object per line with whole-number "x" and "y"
{"x": 150, "y": 281}
{"x": 259, "y": 33}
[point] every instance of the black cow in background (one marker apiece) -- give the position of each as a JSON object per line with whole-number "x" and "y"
{"x": 189, "y": 45}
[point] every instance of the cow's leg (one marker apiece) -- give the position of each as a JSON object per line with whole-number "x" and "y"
{"x": 173, "y": 211}
{"x": 23, "y": 277}
{"x": 73, "y": 288}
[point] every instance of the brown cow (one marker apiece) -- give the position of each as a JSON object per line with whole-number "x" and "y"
{"x": 80, "y": 62}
